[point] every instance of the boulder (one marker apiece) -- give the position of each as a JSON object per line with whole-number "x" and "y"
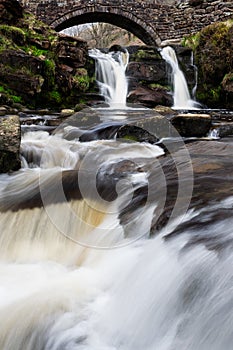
{"x": 150, "y": 97}
{"x": 10, "y": 137}
{"x": 18, "y": 59}
{"x": 135, "y": 133}
{"x": 71, "y": 51}
{"x": 24, "y": 83}
{"x": 192, "y": 125}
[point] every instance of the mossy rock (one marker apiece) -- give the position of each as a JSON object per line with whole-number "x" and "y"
{"x": 10, "y": 137}
{"x": 213, "y": 47}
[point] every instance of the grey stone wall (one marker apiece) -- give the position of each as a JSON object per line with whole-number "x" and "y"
{"x": 152, "y": 21}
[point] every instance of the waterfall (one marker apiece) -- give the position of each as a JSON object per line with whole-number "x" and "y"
{"x": 110, "y": 76}
{"x": 181, "y": 95}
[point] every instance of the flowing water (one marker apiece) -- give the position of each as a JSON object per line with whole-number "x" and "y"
{"x": 110, "y": 76}
{"x": 181, "y": 95}
{"x": 79, "y": 269}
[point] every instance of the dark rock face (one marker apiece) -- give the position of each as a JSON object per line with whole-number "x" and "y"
{"x": 151, "y": 97}
{"x": 145, "y": 67}
{"x": 10, "y": 11}
{"x": 10, "y": 138}
{"x": 25, "y": 82}
{"x": 71, "y": 52}
{"x": 149, "y": 72}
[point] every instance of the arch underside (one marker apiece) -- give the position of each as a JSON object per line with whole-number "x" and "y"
{"x": 141, "y": 31}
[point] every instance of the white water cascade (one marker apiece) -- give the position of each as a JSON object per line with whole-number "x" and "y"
{"x": 181, "y": 95}
{"x": 75, "y": 275}
{"x": 110, "y": 76}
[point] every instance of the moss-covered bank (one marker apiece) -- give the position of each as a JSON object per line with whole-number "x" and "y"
{"x": 39, "y": 67}
{"x": 213, "y": 52}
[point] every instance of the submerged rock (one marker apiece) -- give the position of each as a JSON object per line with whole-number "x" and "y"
{"x": 10, "y": 137}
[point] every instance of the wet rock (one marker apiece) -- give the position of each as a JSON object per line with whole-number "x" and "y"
{"x": 150, "y": 97}
{"x": 211, "y": 163}
{"x": 101, "y": 132}
{"x": 165, "y": 111}
{"x": 135, "y": 133}
{"x": 66, "y": 113}
{"x": 224, "y": 130}
{"x": 10, "y": 137}
{"x": 110, "y": 174}
{"x": 117, "y": 48}
{"x": 3, "y": 111}
{"x": 192, "y": 125}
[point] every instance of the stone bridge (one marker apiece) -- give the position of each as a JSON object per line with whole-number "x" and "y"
{"x": 152, "y": 21}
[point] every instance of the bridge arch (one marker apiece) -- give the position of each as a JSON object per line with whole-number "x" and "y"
{"x": 124, "y": 19}
{"x": 152, "y": 21}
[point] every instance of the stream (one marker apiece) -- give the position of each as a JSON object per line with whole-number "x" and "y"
{"x": 111, "y": 244}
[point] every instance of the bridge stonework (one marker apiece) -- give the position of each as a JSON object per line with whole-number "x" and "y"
{"x": 152, "y": 21}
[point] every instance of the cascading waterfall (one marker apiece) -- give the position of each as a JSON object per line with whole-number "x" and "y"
{"x": 181, "y": 95}
{"x": 110, "y": 76}
{"x": 62, "y": 289}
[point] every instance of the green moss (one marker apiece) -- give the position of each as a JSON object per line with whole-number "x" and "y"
{"x": 2, "y": 89}
{"x": 213, "y": 57}
{"x": 50, "y": 72}
{"x": 55, "y": 96}
{"x": 144, "y": 54}
{"x": 158, "y": 86}
{"x": 33, "y": 50}
{"x": 191, "y": 41}
{"x": 16, "y": 99}
{"x": 82, "y": 80}
{"x": 10, "y": 94}
{"x": 210, "y": 95}
{"x": 130, "y": 138}
{"x": 228, "y": 77}
{"x": 15, "y": 34}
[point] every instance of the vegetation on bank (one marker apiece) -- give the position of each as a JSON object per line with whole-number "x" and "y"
{"x": 213, "y": 48}
{"x": 34, "y": 69}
